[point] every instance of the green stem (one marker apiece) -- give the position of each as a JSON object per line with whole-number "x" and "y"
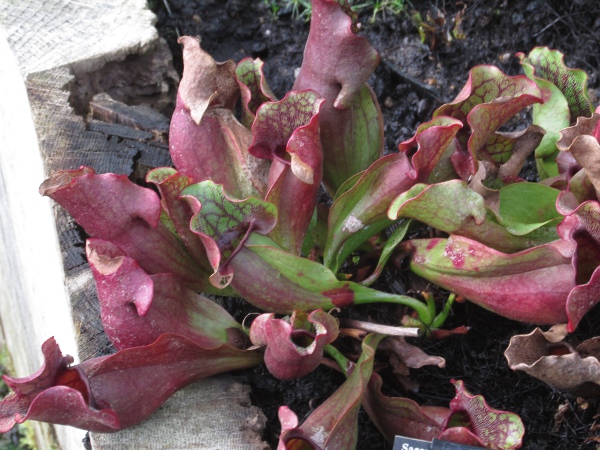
{"x": 441, "y": 317}
{"x": 340, "y": 359}
{"x": 422, "y": 309}
{"x": 430, "y": 303}
{"x": 345, "y": 364}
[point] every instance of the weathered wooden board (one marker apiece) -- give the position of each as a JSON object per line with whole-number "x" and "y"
{"x": 33, "y": 304}
{"x": 54, "y": 58}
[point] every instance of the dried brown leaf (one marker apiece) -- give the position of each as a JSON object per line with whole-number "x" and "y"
{"x": 413, "y": 357}
{"x": 546, "y": 357}
{"x": 581, "y": 141}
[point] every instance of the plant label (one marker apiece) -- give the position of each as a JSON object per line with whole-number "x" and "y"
{"x": 406, "y": 443}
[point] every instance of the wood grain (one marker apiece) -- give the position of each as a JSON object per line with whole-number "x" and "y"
{"x": 88, "y": 67}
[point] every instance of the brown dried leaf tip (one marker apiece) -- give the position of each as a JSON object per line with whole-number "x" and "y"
{"x": 547, "y": 357}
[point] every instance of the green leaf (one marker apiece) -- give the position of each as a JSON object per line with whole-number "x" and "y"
{"x": 525, "y": 207}
{"x": 223, "y": 223}
{"x": 517, "y": 146}
{"x": 393, "y": 241}
{"x": 353, "y": 139}
{"x": 177, "y": 213}
{"x": 445, "y": 206}
{"x": 488, "y": 85}
{"x": 277, "y": 281}
{"x": 487, "y": 101}
{"x": 496, "y": 429}
{"x": 316, "y": 235}
{"x": 360, "y": 212}
{"x": 281, "y": 282}
{"x": 253, "y": 87}
{"x": 348, "y": 184}
{"x": 549, "y": 65}
{"x": 500, "y": 147}
{"x": 454, "y": 208}
{"x": 547, "y": 69}
{"x": 553, "y": 116}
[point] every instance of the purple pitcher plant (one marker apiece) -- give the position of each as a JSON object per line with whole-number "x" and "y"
{"x": 241, "y": 214}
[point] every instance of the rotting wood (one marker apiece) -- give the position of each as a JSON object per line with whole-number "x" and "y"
{"x": 70, "y": 52}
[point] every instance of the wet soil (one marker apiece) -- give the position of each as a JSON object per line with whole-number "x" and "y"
{"x": 415, "y": 77}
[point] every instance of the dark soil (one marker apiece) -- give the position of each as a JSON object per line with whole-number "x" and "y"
{"x": 415, "y": 78}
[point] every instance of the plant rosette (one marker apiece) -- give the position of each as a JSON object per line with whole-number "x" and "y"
{"x": 239, "y": 215}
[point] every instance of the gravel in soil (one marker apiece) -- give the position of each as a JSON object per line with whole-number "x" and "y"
{"x": 416, "y": 77}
